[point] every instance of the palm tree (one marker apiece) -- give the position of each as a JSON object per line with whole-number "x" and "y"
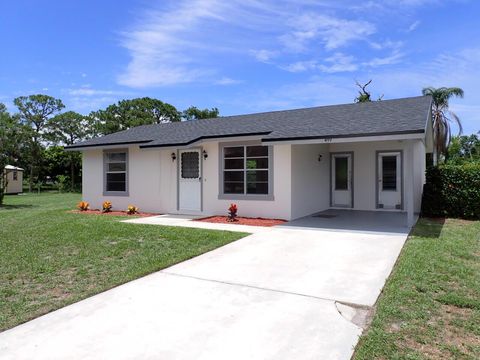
{"x": 442, "y": 116}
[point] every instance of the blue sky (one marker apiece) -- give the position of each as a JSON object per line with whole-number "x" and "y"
{"x": 240, "y": 55}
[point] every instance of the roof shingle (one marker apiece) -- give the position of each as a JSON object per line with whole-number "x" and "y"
{"x": 398, "y": 116}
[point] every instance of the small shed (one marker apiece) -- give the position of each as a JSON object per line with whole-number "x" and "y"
{"x": 14, "y": 179}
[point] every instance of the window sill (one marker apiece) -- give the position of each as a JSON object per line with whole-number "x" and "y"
{"x": 246, "y": 197}
{"x": 116, "y": 193}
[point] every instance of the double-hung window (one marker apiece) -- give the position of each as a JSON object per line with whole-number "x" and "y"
{"x": 246, "y": 170}
{"x": 116, "y": 172}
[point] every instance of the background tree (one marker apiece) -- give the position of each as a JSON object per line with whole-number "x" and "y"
{"x": 464, "y": 149}
{"x": 194, "y": 113}
{"x": 134, "y": 112}
{"x": 363, "y": 94}
{"x": 66, "y": 129}
{"x": 34, "y": 112}
{"x": 11, "y": 137}
{"x": 442, "y": 116}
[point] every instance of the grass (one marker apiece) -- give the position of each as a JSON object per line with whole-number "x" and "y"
{"x": 430, "y": 306}
{"x": 50, "y": 258}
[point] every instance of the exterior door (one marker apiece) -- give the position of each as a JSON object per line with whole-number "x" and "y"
{"x": 190, "y": 181}
{"x": 389, "y": 180}
{"x": 342, "y": 180}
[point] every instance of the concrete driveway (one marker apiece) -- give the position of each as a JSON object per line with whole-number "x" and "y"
{"x": 291, "y": 292}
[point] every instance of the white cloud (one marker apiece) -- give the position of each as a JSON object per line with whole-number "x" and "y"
{"x": 394, "y": 58}
{"x": 334, "y": 64}
{"x": 413, "y": 26}
{"x": 333, "y": 32}
{"x": 263, "y": 55}
{"x": 339, "y": 63}
{"x": 181, "y": 41}
{"x": 227, "y": 81}
{"x": 87, "y": 91}
{"x": 300, "y": 66}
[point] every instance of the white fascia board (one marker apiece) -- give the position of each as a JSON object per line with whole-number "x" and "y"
{"x": 237, "y": 139}
{"x": 350, "y": 139}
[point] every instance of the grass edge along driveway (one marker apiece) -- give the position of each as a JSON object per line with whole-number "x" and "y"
{"x": 50, "y": 258}
{"x": 430, "y": 306}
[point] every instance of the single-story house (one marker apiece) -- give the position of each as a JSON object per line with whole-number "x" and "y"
{"x": 14, "y": 176}
{"x": 279, "y": 164}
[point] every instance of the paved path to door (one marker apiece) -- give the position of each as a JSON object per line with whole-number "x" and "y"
{"x": 279, "y": 293}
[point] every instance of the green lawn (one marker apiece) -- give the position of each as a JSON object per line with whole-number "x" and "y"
{"x": 50, "y": 258}
{"x": 430, "y": 307}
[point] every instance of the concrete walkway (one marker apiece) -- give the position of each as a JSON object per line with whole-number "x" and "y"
{"x": 280, "y": 293}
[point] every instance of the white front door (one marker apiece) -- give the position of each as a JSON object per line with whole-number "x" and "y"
{"x": 190, "y": 181}
{"x": 342, "y": 180}
{"x": 389, "y": 180}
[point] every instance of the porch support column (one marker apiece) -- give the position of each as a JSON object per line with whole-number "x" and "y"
{"x": 409, "y": 180}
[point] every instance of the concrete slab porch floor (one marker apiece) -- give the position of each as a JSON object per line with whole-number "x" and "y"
{"x": 279, "y": 293}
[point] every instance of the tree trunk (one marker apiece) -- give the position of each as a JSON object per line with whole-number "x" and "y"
{"x": 30, "y": 181}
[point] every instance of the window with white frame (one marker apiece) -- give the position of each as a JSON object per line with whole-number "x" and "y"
{"x": 246, "y": 170}
{"x": 116, "y": 171}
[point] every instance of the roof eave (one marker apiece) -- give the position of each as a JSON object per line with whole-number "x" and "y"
{"x": 330, "y": 138}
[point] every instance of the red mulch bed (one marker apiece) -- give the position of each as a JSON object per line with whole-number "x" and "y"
{"x": 113, "y": 213}
{"x": 243, "y": 221}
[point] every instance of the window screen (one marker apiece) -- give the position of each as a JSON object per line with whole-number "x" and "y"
{"x": 190, "y": 168}
{"x": 389, "y": 173}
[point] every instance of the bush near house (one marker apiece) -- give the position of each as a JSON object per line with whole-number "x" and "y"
{"x": 452, "y": 191}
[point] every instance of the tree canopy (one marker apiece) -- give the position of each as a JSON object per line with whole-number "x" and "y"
{"x": 34, "y": 112}
{"x": 194, "y": 113}
{"x": 133, "y": 112}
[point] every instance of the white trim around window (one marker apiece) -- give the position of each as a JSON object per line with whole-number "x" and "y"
{"x": 115, "y": 172}
{"x": 245, "y": 171}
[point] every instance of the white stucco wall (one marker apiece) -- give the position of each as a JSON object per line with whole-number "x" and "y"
{"x": 153, "y": 183}
{"x": 144, "y": 173}
{"x": 14, "y": 186}
{"x": 310, "y": 179}
{"x": 301, "y": 184}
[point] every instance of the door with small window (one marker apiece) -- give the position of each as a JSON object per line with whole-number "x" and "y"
{"x": 342, "y": 187}
{"x": 389, "y": 178}
{"x": 190, "y": 181}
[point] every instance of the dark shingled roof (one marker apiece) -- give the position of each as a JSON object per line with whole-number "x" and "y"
{"x": 386, "y": 117}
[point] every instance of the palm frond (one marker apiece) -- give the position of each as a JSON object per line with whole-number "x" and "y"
{"x": 456, "y": 119}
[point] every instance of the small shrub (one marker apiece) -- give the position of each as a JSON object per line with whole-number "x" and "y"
{"x": 107, "y": 206}
{"x": 83, "y": 206}
{"x": 132, "y": 210}
{"x": 452, "y": 191}
{"x": 63, "y": 182}
{"x": 232, "y": 213}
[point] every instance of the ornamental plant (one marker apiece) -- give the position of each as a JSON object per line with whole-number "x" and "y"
{"x": 132, "y": 210}
{"x": 232, "y": 213}
{"x": 107, "y": 206}
{"x": 83, "y": 206}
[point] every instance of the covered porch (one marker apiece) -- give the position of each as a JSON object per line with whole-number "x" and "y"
{"x": 370, "y": 180}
